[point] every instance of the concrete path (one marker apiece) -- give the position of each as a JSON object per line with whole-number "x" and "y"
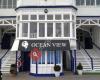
{"x": 67, "y": 76}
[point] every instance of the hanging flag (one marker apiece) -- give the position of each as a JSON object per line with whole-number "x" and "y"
{"x": 19, "y": 60}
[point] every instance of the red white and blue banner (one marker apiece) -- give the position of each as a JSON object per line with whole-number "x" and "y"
{"x": 19, "y": 60}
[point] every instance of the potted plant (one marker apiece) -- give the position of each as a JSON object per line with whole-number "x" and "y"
{"x": 13, "y": 69}
{"x": 57, "y": 69}
{"x": 80, "y": 69}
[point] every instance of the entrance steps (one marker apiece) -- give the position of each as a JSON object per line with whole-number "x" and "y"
{"x": 95, "y": 54}
{"x": 83, "y": 58}
{"x": 9, "y": 59}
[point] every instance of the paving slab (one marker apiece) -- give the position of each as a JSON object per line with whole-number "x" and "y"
{"x": 67, "y": 76}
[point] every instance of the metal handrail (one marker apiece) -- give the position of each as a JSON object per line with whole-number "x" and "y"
{"x": 88, "y": 55}
{"x": 96, "y": 45}
{"x": 4, "y": 54}
{"x": 3, "y": 57}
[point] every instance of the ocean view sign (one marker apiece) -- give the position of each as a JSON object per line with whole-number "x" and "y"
{"x": 27, "y": 45}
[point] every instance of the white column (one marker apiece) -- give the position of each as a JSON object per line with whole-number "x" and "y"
{"x": 37, "y": 29}
{"x": 62, "y": 29}
{"x": 45, "y": 29}
{"x": 54, "y": 30}
{"x": 28, "y": 30}
{"x": 71, "y": 28}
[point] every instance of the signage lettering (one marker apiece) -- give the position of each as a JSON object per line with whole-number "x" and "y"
{"x": 45, "y": 45}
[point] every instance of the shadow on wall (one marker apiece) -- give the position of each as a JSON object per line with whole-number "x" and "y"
{"x": 7, "y": 41}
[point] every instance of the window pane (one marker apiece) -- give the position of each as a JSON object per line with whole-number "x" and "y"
{"x": 41, "y": 29}
{"x": 58, "y": 29}
{"x": 52, "y": 57}
{"x": 24, "y": 17}
{"x": 9, "y": 3}
{"x": 33, "y": 17}
{"x": 0, "y": 3}
{"x": 14, "y": 3}
{"x": 97, "y": 2}
{"x": 73, "y": 17}
{"x": 66, "y": 16}
{"x": 41, "y": 17}
{"x": 49, "y": 17}
{"x": 4, "y": 3}
{"x": 48, "y": 57}
{"x": 24, "y": 29}
{"x": 66, "y": 29}
{"x": 17, "y": 30}
{"x": 77, "y": 2}
{"x": 81, "y": 2}
{"x": 73, "y": 26}
{"x": 58, "y": 57}
{"x": 43, "y": 57}
{"x": 33, "y": 30}
{"x": 33, "y": 62}
{"x": 92, "y": 2}
{"x": 58, "y": 17}
{"x": 49, "y": 29}
{"x": 87, "y": 2}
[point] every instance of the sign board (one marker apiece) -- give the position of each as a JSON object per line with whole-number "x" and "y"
{"x": 28, "y": 45}
{"x": 35, "y": 54}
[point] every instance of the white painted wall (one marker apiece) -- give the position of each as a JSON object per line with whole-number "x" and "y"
{"x": 96, "y": 35}
{"x": 7, "y": 12}
{"x": 88, "y": 11}
{"x": 43, "y": 2}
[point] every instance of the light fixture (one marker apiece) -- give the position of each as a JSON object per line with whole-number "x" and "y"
{"x": 46, "y": 10}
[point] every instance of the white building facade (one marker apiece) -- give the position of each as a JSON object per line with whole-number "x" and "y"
{"x": 75, "y": 22}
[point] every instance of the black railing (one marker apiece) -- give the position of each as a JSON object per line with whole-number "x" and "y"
{"x": 96, "y": 46}
{"x": 2, "y": 58}
{"x": 5, "y": 54}
{"x": 87, "y": 54}
{"x": 90, "y": 58}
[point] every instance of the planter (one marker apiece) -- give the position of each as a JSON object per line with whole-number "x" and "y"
{"x": 80, "y": 69}
{"x": 57, "y": 73}
{"x": 80, "y": 72}
{"x": 13, "y": 69}
{"x": 57, "y": 69}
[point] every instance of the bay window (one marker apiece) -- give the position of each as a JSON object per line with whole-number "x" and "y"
{"x": 66, "y": 29}
{"x": 24, "y": 29}
{"x": 49, "y": 29}
{"x": 58, "y": 29}
{"x": 33, "y": 29}
{"x": 41, "y": 29}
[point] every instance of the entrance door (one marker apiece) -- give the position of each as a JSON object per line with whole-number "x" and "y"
{"x": 66, "y": 61}
{"x": 88, "y": 43}
{"x": 26, "y": 61}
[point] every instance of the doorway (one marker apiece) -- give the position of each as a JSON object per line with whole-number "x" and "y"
{"x": 26, "y": 61}
{"x": 66, "y": 61}
{"x": 84, "y": 39}
{"x": 7, "y": 40}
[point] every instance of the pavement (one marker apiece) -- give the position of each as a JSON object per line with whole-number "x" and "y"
{"x": 67, "y": 76}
